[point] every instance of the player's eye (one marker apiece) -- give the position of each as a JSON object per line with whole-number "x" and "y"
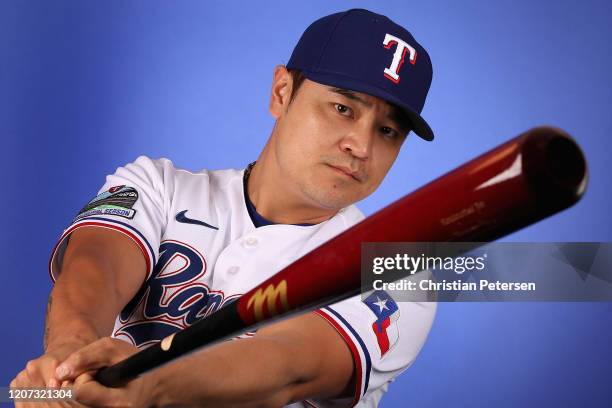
{"x": 389, "y": 132}
{"x": 343, "y": 109}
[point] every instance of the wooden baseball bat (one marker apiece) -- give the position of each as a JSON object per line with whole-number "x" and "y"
{"x": 520, "y": 182}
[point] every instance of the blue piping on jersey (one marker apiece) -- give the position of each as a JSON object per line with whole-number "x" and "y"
{"x": 361, "y": 343}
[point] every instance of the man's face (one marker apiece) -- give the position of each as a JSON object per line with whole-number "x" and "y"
{"x": 334, "y": 146}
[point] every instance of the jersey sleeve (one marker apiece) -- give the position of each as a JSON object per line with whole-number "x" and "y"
{"x": 384, "y": 337}
{"x": 132, "y": 201}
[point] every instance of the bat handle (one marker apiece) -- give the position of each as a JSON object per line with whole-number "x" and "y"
{"x": 220, "y": 325}
{"x": 111, "y": 377}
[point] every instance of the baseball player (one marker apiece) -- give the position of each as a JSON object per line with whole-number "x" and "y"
{"x": 160, "y": 247}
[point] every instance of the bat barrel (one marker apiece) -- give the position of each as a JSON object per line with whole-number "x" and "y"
{"x": 522, "y": 181}
{"x": 555, "y": 167}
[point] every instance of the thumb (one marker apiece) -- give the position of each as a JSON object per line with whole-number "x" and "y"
{"x": 89, "y": 358}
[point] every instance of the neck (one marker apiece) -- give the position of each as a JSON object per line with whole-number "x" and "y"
{"x": 279, "y": 202}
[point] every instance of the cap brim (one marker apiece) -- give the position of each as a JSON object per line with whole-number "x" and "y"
{"x": 420, "y": 126}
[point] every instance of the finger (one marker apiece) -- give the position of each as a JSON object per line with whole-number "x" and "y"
{"x": 89, "y": 358}
{"x": 41, "y": 371}
{"x": 34, "y": 374}
{"x": 72, "y": 402}
{"x": 92, "y": 394}
{"x": 53, "y": 383}
{"x": 22, "y": 380}
{"x": 78, "y": 383}
{"x": 18, "y": 383}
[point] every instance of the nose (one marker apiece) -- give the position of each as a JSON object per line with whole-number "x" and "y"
{"x": 358, "y": 143}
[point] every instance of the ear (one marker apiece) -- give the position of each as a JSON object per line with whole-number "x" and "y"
{"x": 282, "y": 84}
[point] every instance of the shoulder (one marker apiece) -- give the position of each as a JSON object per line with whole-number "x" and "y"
{"x": 166, "y": 166}
{"x": 163, "y": 171}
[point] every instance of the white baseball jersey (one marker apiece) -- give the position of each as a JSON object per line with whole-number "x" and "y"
{"x": 202, "y": 250}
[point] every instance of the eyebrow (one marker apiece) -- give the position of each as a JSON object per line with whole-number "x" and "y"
{"x": 397, "y": 114}
{"x": 401, "y": 118}
{"x": 351, "y": 95}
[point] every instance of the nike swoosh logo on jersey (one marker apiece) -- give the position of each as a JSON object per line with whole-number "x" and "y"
{"x": 180, "y": 217}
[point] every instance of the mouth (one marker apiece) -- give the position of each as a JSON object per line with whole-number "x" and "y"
{"x": 346, "y": 172}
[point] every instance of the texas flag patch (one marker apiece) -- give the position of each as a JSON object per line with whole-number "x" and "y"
{"x": 385, "y": 326}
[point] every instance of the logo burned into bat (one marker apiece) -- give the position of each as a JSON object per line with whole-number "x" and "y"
{"x": 269, "y": 295}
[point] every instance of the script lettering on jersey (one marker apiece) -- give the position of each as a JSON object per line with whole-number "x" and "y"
{"x": 171, "y": 299}
{"x": 392, "y": 72}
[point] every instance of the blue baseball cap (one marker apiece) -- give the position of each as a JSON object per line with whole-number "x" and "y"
{"x": 367, "y": 52}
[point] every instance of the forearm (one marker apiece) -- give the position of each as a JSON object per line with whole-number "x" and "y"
{"x": 100, "y": 273}
{"x": 292, "y": 360}
{"x": 247, "y": 372}
{"x": 83, "y": 304}
{"x": 75, "y": 318}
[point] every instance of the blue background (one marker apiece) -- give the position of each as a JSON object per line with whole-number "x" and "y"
{"x": 88, "y": 86}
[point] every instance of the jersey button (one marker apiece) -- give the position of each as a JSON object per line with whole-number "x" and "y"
{"x": 232, "y": 270}
{"x": 251, "y": 242}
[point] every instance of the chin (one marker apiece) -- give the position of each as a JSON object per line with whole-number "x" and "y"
{"x": 335, "y": 200}
{"x": 331, "y": 194}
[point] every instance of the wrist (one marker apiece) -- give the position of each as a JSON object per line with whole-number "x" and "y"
{"x": 154, "y": 388}
{"x": 73, "y": 342}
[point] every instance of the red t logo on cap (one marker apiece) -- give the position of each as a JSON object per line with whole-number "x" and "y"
{"x": 392, "y": 72}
